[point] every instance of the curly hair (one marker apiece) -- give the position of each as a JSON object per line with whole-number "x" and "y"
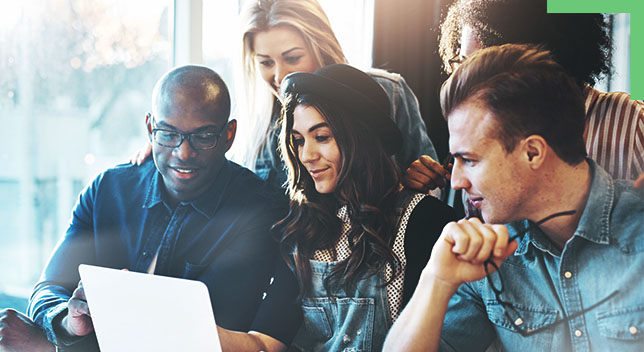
{"x": 368, "y": 183}
{"x": 579, "y": 42}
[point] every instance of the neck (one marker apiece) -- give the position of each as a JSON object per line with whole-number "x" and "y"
{"x": 563, "y": 188}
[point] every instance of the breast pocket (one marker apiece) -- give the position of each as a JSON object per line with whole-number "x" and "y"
{"x": 528, "y": 319}
{"x": 336, "y": 324}
{"x": 623, "y": 328}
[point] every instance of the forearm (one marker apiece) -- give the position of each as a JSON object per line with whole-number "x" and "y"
{"x": 252, "y": 341}
{"x": 418, "y": 328}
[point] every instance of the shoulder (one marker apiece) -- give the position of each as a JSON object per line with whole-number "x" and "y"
{"x": 431, "y": 210}
{"x": 124, "y": 176}
{"x": 381, "y": 75}
{"x": 627, "y": 218}
{"x": 250, "y": 188}
{"x": 618, "y": 104}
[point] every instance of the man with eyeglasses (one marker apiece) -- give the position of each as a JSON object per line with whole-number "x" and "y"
{"x": 188, "y": 213}
{"x": 565, "y": 272}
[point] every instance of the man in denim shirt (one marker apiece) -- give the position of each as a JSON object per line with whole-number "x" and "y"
{"x": 572, "y": 280}
{"x": 188, "y": 213}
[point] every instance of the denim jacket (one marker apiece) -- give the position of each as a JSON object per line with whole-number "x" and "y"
{"x": 404, "y": 111}
{"x": 545, "y": 284}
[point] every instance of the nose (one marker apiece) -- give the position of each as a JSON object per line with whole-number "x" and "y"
{"x": 184, "y": 151}
{"x": 308, "y": 153}
{"x": 280, "y": 73}
{"x": 459, "y": 179}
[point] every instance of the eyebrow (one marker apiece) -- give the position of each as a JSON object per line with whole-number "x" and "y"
{"x": 283, "y": 54}
{"x": 314, "y": 127}
{"x": 200, "y": 129}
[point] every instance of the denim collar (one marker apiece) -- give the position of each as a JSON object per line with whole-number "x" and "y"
{"x": 594, "y": 224}
{"x": 206, "y": 204}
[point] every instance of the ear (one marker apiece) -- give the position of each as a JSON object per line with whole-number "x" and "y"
{"x": 535, "y": 149}
{"x": 148, "y": 124}
{"x": 231, "y": 130}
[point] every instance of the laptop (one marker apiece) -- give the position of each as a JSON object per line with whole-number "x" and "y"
{"x": 141, "y": 312}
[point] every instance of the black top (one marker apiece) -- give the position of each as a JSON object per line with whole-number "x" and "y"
{"x": 280, "y": 314}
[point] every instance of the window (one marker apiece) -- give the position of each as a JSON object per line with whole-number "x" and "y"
{"x": 74, "y": 92}
{"x": 76, "y": 84}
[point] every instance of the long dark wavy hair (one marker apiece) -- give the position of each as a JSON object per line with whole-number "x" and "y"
{"x": 368, "y": 182}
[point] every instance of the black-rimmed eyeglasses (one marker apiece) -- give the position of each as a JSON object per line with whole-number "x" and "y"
{"x": 510, "y": 312}
{"x": 456, "y": 61}
{"x": 198, "y": 141}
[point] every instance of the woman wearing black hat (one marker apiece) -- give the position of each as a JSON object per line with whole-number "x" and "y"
{"x": 354, "y": 242}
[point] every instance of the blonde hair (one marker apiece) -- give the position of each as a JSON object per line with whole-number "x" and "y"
{"x": 306, "y": 18}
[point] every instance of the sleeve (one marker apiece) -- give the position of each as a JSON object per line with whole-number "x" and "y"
{"x": 466, "y": 326}
{"x": 280, "y": 314}
{"x": 48, "y": 302}
{"x": 405, "y": 111}
{"x": 638, "y": 155}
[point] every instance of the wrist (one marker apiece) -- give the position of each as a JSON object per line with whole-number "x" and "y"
{"x": 430, "y": 278}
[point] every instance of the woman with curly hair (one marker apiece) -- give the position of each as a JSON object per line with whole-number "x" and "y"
{"x": 354, "y": 242}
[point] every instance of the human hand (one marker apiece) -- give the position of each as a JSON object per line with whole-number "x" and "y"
{"x": 78, "y": 321}
{"x": 464, "y": 246}
{"x": 639, "y": 183}
{"x": 426, "y": 174}
{"x": 139, "y": 157}
{"x": 19, "y": 334}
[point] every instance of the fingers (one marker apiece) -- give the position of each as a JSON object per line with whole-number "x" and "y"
{"x": 475, "y": 242}
{"x": 639, "y": 183}
{"x": 426, "y": 174}
{"x": 77, "y": 304}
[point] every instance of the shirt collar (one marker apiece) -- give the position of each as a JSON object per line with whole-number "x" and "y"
{"x": 206, "y": 204}
{"x": 594, "y": 224}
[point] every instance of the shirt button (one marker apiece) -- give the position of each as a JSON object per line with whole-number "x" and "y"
{"x": 346, "y": 339}
{"x": 578, "y": 333}
{"x": 144, "y": 254}
{"x": 567, "y": 274}
{"x": 632, "y": 330}
{"x": 518, "y": 322}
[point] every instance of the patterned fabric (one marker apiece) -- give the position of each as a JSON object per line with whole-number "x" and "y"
{"x": 343, "y": 250}
{"x": 614, "y": 133}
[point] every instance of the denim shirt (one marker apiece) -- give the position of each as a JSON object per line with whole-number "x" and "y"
{"x": 544, "y": 284}
{"x": 122, "y": 219}
{"x": 404, "y": 111}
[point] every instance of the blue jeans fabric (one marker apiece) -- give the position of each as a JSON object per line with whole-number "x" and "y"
{"x": 345, "y": 321}
{"x": 544, "y": 284}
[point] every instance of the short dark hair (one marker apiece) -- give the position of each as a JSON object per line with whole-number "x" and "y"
{"x": 200, "y": 84}
{"x": 527, "y": 92}
{"x": 579, "y": 42}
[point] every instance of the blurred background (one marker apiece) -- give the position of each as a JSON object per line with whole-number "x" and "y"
{"x": 76, "y": 78}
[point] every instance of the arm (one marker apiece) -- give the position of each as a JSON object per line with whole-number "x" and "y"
{"x": 19, "y": 333}
{"x": 52, "y": 296}
{"x": 456, "y": 258}
{"x": 251, "y": 341}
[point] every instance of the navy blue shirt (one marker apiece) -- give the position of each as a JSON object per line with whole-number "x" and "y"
{"x": 121, "y": 220}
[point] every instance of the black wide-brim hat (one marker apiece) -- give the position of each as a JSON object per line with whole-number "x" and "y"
{"x": 353, "y": 90}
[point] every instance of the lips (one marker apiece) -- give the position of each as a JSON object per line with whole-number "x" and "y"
{"x": 316, "y": 173}
{"x": 184, "y": 172}
{"x": 476, "y": 201}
